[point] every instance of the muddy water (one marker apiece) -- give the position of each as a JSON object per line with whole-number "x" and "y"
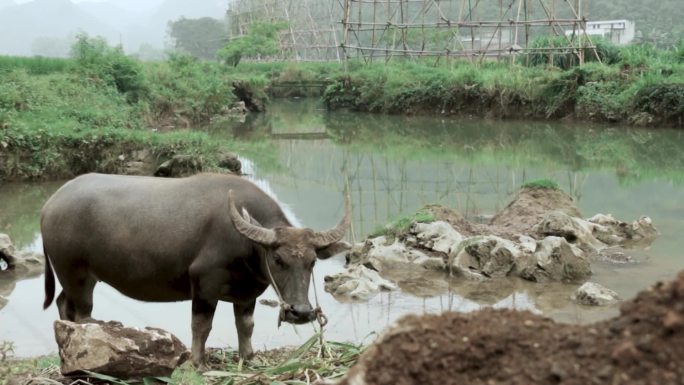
{"x": 393, "y": 166}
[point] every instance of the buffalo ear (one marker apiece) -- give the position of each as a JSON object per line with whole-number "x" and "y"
{"x": 334, "y": 249}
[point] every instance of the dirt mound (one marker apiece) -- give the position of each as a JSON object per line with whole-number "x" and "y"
{"x": 644, "y": 345}
{"x": 529, "y": 207}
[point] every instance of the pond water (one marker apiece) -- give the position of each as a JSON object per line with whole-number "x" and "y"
{"x": 393, "y": 166}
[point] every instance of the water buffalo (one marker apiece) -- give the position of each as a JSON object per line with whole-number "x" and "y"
{"x": 159, "y": 239}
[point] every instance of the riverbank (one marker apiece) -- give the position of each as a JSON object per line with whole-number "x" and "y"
{"x": 640, "y": 87}
{"x": 102, "y": 109}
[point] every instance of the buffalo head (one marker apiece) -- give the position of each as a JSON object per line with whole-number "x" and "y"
{"x": 289, "y": 254}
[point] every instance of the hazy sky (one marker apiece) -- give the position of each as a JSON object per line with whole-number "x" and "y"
{"x": 140, "y": 5}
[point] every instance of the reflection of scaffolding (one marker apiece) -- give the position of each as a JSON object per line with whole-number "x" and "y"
{"x": 313, "y": 26}
{"x": 461, "y": 28}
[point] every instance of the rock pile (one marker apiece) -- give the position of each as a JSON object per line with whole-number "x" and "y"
{"x": 540, "y": 237}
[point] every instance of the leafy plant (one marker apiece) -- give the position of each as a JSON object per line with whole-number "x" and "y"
{"x": 95, "y": 58}
{"x": 261, "y": 40}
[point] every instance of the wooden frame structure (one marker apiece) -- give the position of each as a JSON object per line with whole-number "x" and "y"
{"x": 313, "y": 32}
{"x": 336, "y": 30}
{"x": 473, "y": 29}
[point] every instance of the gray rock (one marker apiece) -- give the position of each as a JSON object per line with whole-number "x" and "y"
{"x": 438, "y": 236}
{"x": 593, "y": 294}
{"x": 488, "y": 256}
{"x": 377, "y": 253}
{"x": 112, "y": 349}
{"x": 613, "y": 232}
{"x": 7, "y": 251}
{"x": 575, "y": 230}
{"x": 22, "y": 264}
{"x": 555, "y": 260}
{"x": 178, "y": 166}
{"x": 231, "y": 163}
{"x": 357, "y": 283}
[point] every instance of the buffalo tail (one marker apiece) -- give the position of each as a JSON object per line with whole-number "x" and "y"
{"x": 49, "y": 282}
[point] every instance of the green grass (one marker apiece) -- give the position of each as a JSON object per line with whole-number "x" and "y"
{"x": 300, "y": 365}
{"x": 35, "y": 65}
{"x": 640, "y": 86}
{"x": 401, "y": 225}
{"x": 542, "y": 183}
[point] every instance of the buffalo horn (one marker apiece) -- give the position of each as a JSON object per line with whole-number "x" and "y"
{"x": 257, "y": 234}
{"x": 326, "y": 238}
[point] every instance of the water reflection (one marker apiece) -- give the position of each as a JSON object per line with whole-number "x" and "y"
{"x": 393, "y": 166}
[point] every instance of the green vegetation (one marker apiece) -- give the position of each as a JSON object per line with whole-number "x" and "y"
{"x": 260, "y": 41}
{"x": 643, "y": 86}
{"x": 542, "y": 183}
{"x": 401, "y": 225}
{"x": 34, "y": 65}
{"x": 300, "y": 365}
{"x": 96, "y": 110}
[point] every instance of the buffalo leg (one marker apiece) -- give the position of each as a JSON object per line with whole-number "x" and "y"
{"x": 244, "y": 321}
{"x": 75, "y": 302}
{"x": 65, "y": 308}
{"x": 202, "y": 316}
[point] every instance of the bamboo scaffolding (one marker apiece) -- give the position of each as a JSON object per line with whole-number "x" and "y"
{"x": 416, "y": 28}
{"x": 365, "y": 29}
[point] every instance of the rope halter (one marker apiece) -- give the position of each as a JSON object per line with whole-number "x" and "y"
{"x": 284, "y": 306}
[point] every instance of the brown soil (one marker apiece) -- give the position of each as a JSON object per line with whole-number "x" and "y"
{"x": 529, "y": 207}
{"x": 644, "y": 345}
{"x": 525, "y": 210}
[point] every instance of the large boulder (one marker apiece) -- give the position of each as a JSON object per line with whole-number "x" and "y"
{"x": 555, "y": 260}
{"x": 112, "y": 349}
{"x": 437, "y": 236}
{"x": 485, "y": 257}
{"x": 357, "y": 283}
{"x": 380, "y": 254}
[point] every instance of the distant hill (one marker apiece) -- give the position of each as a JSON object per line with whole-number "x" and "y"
{"x": 21, "y": 25}
{"x": 54, "y": 22}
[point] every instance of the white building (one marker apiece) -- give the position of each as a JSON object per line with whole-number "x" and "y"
{"x": 620, "y": 32}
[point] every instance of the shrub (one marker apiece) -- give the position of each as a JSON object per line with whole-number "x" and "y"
{"x": 96, "y": 59}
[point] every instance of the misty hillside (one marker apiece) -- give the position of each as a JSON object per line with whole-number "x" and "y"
{"x": 6, "y": 3}
{"x": 21, "y": 25}
{"x": 47, "y": 27}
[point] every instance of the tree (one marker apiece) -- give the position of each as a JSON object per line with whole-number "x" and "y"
{"x": 201, "y": 38}
{"x": 261, "y": 40}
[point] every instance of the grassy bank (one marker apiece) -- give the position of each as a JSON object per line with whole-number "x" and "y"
{"x": 638, "y": 85}
{"x": 60, "y": 118}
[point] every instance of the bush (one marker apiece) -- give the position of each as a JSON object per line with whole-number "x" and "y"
{"x": 96, "y": 59}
